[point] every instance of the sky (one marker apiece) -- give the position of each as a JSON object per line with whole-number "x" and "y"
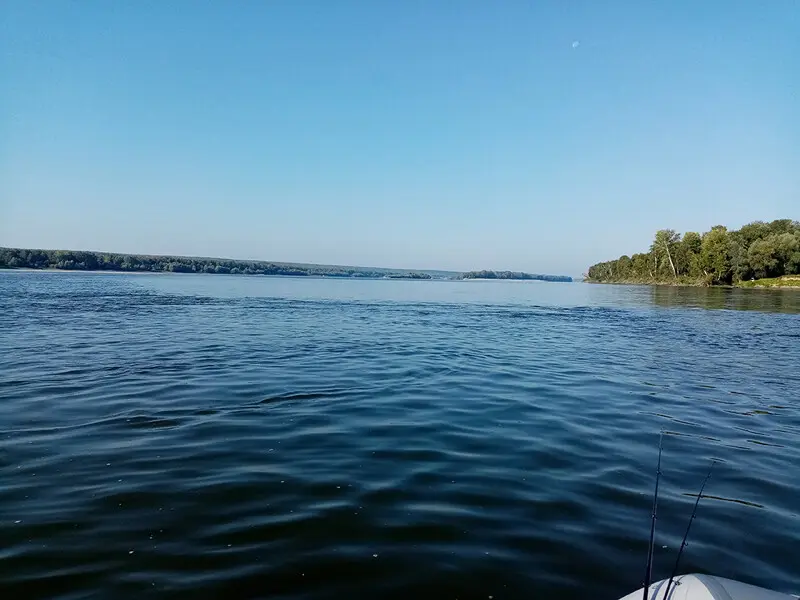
{"x": 537, "y": 136}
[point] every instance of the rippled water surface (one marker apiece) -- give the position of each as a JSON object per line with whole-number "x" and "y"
{"x": 181, "y": 436}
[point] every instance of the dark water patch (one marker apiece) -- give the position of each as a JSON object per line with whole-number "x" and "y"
{"x": 299, "y": 396}
{"x": 205, "y": 412}
{"x": 718, "y": 401}
{"x": 145, "y": 422}
{"x": 763, "y": 443}
{"x": 676, "y": 420}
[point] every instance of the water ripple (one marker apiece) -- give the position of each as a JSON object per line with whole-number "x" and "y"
{"x": 189, "y": 436}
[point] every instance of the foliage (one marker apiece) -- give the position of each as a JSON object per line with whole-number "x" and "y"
{"x": 717, "y": 257}
{"x": 512, "y": 275}
{"x": 100, "y": 261}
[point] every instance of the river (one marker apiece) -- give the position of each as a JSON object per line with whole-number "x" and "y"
{"x": 206, "y": 436}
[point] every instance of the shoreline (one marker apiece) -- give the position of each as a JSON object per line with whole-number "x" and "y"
{"x": 750, "y": 285}
{"x": 507, "y": 279}
{"x": 95, "y": 271}
{"x": 115, "y": 272}
{"x": 660, "y": 283}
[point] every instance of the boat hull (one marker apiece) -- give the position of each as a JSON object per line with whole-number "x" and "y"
{"x": 706, "y": 587}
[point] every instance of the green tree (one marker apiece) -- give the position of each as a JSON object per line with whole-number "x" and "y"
{"x": 762, "y": 257}
{"x": 640, "y": 265}
{"x": 753, "y": 231}
{"x": 692, "y": 241}
{"x": 714, "y": 257}
{"x": 786, "y": 245}
{"x": 740, "y": 262}
{"x": 793, "y": 268}
{"x": 664, "y": 248}
{"x": 624, "y": 267}
{"x": 687, "y": 255}
{"x": 779, "y": 226}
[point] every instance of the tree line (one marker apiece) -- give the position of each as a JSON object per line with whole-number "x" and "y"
{"x": 512, "y": 275}
{"x": 13, "y": 258}
{"x": 717, "y": 257}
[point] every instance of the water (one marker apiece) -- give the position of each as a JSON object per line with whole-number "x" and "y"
{"x": 179, "y": 436}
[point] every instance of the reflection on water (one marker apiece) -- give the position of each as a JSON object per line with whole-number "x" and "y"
{"x": 787, "y": 301}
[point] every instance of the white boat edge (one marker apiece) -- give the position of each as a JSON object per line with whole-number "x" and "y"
{"x": 706, "y": 587}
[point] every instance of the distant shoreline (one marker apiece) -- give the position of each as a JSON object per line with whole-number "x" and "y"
{"x": 109, "y": 262}
{"x": 77, "y": 271}
{"x": 80, "y": 261}
{"x": 119, "y": 272}
{"x": 512, "y": 276}
{"x": 509, "y": 279}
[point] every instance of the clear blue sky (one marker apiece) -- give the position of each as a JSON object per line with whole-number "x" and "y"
{"x": 540, "y": 136}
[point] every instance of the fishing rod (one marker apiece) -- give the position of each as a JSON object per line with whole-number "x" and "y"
{"x": 648, "y": 573}
{"x": 686, "y": 535}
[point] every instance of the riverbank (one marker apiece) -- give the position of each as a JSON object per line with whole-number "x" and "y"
{"x": 787, "y": 282}
{"x": 672, "y": 283}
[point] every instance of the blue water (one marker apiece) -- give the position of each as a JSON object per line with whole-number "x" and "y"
{"x": 182, "y": 436}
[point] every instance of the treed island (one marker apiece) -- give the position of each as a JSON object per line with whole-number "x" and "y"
{"x": 757, "y": 255}
{"x": 512, "y": 275}
{"x": 76, "y": 260}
